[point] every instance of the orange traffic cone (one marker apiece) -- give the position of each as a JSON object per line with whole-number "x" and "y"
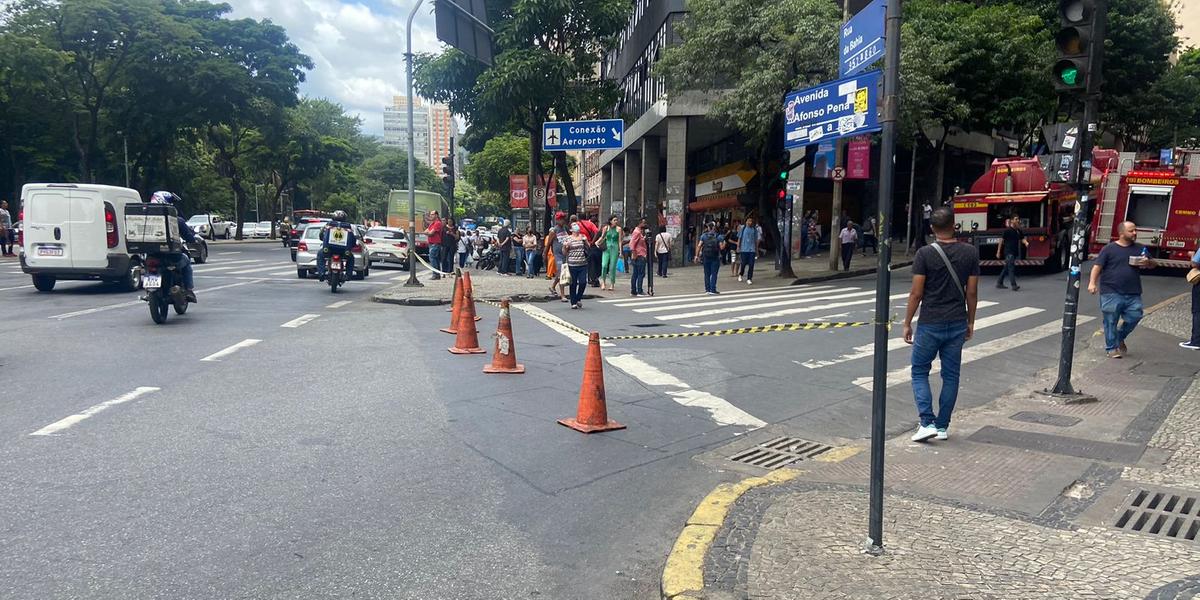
{"x": 454, "y": 294}
{"x": 467, "y": 341}
{"x": 455, "y": 307}
{"x": 469, "y": 288}
{"x": 592, "y": 415}
{"x": 504, "y": 357}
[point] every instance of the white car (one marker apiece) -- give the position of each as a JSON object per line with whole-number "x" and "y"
{"x": 387, "y": 244}
{"x": 310, "y": 244}
{"x": 210, "y": 226}
{"x": 262, "y": 229}
{"x": 77, "y": 231}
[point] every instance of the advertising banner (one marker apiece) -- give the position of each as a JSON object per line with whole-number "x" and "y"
{"x": 858, "y": 158}
{"x": 518, "y": 191}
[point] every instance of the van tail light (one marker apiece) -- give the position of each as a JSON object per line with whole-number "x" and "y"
{"x": 303, "y": 247}
{"x": 110, "y": 225}
{"x": 369, "y": 241}
{"x": 152, "y": 265}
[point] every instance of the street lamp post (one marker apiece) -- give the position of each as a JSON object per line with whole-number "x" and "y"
{"x": 412, "y": 195}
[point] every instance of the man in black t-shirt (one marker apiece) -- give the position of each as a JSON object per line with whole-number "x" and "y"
{"x": 504, "y": 243}
{"x": 1010, "y": 246}
{"x": 1117, "y": 276}
{"x": 947, "y": 299}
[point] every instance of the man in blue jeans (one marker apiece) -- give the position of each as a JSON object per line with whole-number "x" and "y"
{"x": 1117, "y": 276}
{"x": 708, "y": 249}
{"x": 946, "y": 288}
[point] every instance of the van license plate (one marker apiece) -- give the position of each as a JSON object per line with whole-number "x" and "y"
{"x": 994, "y": 240}
{"x": 151, "y": 282}
{"x": 49, "y": 251}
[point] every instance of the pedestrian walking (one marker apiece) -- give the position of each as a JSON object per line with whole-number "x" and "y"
{"x": 529, "y": 242}
{"x": 926, "y": 215}
{"x": 849, "y": 239}
{"x": 433, "y": 233}
{"x": 449, "y": 245}
{"x": 1193, "y": 277}
{"x": 749, "y": 237}
{"x": 730, "y": 250}
{"x": 592, "y": 233}
{"x": 814, "y": 235}
{"x": 638, "y": 251}
{"x": 610, "y": 246}
{"x": 1010, "y": 248}
{"x": 708, "y": 249}
{"x": 1117, "y": 277}
{"x": 575, "y": 247}
{"x": 6, "y": 230}
{"x": 561, "y": 233}
{"x": 945, "y": 286}
{"x": 465, "y": 244}
{"x": 663, "y": 242}
{"x": 869, "y": 235}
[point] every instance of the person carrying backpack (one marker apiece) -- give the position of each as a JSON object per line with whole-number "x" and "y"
{"x": 708, "y": 250}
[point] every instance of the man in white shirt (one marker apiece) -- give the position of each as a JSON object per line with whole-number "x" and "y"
{"x": 849, "y": 239}
{"x": 662, "y": 249}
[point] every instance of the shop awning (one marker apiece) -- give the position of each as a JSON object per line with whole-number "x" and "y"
{"x": 727, "y": 178}
{"x": 714, "y": 202}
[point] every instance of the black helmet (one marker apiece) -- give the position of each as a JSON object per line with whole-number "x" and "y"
{"x": 339, "y": 215}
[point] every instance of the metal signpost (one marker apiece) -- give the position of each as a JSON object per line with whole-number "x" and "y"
{"x": 862, "y": 39}
{"x": 582, "y": 135}
{"x": 832, "y": 110}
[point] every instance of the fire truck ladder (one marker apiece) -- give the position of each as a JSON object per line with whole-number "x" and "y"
{"x": 1108, "y": 204}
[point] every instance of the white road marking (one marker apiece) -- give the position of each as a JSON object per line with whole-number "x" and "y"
{"x": 224, "y": 266}
{"x": 984, "y": 350}
{"x": 19, "y": 287}
{"x": 721, "y": 300}
{"x": 897, "y": 343}
{"x": 89, "y": 311}
{"x": 721, "y": 410}
{"x": 291, "y": 271}
{"x": 657, "y": 299}
{"x": 399, "y": 277}
{"x": 66, "y": 423}
{"x": 339, "y": 304}
{"x": 217, "y": 356}
{"x": 228, "y": 253}
{"x": 729, "y": 309}
{"x": 298, "y": 321}
{"x": 274, "y": 267}
{"x": 795, "y": 311}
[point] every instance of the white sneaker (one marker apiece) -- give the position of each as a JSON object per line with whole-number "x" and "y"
{"x": 748, "y": 282}
{"x": 924, "y": 432}
{"x": 943, "y": 434}
{"x": 739, "y": 277}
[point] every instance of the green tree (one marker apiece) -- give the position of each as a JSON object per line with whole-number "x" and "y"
{"x": 545, "y": 66}
{"x": 500, "y": 157}
{"x": 1178, "y": 92}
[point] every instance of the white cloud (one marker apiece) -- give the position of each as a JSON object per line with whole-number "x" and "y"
{"x": 357, "y": 47}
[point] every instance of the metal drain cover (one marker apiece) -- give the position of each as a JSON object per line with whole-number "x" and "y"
{"x": 780, "y": 452}
{"x": 1162, "y": 513}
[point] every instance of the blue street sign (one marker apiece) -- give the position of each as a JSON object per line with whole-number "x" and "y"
{"x": 862, "y": 39}
{"x": 1166, "y": 156}
{"x": 582, "y": 135}
{"x": 832, "y": 110}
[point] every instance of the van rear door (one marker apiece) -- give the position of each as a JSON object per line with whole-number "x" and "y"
{"x": 89, "y": 239}
{"x": 47, "y": 227}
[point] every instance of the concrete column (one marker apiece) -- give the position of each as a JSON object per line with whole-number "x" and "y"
{"x": 606, "y": 188}
{"x": 650, "y": 175}
{"x": 633, "y": 186}
{"x": 676, "y": 187}
{"x": 616, "y": 200}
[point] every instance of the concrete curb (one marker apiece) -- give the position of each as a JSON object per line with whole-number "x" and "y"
{"x": 847, "y": 274}
{"x": 683, "y": 574}
{"x": 382, "y": 298}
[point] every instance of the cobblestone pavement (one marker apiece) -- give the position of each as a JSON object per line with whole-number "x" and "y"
{"x": 939, "y": 551}
{"x": 1180, "y": 435}
{"x": 1174, "y": 319}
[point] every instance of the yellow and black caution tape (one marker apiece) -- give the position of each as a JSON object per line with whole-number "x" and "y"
{"x": 742, "y": 330}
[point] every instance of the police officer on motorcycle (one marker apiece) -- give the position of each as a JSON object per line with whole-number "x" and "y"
{"x": 189, "y": 236}
{"x": 338, "y": 222}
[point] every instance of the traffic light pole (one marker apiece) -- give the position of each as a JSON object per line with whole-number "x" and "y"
{"x": 883, "y": 275}
{"x": 1083, "y": 209}
{"x": 412, "y": 167}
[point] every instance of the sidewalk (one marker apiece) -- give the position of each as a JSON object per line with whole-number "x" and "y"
{"x": 1030, "y": 498}
{"x": 680, "y": 280}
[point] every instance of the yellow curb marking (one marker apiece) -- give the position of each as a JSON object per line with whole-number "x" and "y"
{"x": 838, "y": 454}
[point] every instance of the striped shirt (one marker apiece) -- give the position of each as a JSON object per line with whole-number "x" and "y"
{"x": 576, "y": 250}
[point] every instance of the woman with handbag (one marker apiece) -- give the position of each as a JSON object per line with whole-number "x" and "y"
{"x": 1193, "y": 277}
{"x": 610, "y": 245}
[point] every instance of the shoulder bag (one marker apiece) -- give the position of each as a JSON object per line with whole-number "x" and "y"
{"x": 962, "y": 292}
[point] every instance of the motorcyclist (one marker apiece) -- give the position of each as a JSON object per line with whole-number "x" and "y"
{"x": 189, "y": 236}
{"x": 338, "y": 222}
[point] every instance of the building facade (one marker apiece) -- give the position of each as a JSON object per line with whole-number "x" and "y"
{"x": 433, "y": 126}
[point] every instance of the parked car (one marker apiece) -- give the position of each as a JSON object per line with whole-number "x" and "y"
{"x": 262, "y": 229}
{"x": 310, "y": 243}
{"x": 77, "y": 232}
{"x": 210, "y": 226}
{"x": 387, "y": 244}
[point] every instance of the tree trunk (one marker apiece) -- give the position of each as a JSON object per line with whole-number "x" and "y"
{"x": 939, "y": 182}
{"x": 560, "y": 161}
{"x": 535, "y": 176}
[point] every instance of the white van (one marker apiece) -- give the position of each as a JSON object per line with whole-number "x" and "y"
{"x": 74, "y": 231}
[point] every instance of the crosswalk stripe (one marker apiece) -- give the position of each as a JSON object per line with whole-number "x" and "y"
{"x": 792, "y": 311}
{"x": 215, "y": 269}
{"x": 897, "y": 343}
{"x": 655, "y": 300}
{"x": 984, "y": 350}
{"x": 725, "y": 310}
{"x": 256, "y": 270}
{"x": 720, "y": 300}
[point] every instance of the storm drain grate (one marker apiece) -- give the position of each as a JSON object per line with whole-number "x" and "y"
{"x": 1160, "y": 513}
{"x": 780, "y": 452}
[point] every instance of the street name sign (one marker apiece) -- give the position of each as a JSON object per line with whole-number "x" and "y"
{"x": 862, "y": 39}
{"x": 582, "y": 135}
{"x": 832, "y": 110}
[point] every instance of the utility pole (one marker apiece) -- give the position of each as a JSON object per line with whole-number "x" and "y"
{"x": 835, "y": 218}
{"x": 1079, "y": 51}
{"x": 412, "y": 194}
{"x": 883, "y": 277}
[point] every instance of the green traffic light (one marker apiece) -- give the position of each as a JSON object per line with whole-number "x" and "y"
{"x": 1069, "y": 75}
{"x": 783, "y": 175}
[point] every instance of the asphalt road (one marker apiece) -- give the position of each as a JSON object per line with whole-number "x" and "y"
{"x": 333, "y": 448}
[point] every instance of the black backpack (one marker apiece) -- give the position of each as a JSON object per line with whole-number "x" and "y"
{"x": 711, "y": 246}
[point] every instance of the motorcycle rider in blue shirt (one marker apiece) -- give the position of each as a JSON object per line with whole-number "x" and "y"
{"x": 339, "y": 221}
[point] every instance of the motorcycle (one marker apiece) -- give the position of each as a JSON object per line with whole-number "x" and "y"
{"x": 335, "y": 271}
{"x": 488, "y": 259}
{"x": 163, "y": 284}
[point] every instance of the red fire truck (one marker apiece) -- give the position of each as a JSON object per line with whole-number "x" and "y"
{"x": 1163, "y": 201}
{"x": 1017, "y": 186}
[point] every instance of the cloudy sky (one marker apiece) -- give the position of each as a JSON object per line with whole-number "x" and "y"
{"x": 357, "y": 47}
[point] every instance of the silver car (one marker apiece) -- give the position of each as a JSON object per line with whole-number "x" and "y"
{"x": 310, "y": 244}
{"x": 262, "y": 229}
